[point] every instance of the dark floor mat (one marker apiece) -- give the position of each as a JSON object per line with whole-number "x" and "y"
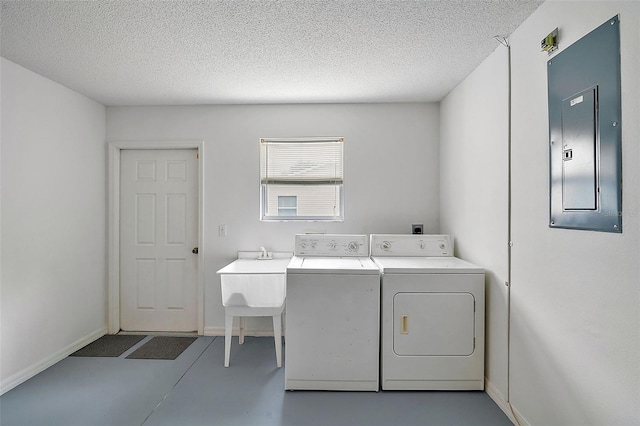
{"x": 162, "y": 347}
{"x": 109, "y": 346}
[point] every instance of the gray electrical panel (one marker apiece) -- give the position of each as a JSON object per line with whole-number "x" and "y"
{"x": 585, "y": 153}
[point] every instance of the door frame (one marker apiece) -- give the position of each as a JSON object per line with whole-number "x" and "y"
{"x": 113, "y": 217}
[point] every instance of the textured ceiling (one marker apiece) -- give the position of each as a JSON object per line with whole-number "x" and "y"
{"x": 228, "y": 52}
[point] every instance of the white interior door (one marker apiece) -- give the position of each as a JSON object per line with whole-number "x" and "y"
{"x": 158, "y": 231}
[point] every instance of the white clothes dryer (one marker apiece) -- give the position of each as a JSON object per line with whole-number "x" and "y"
{"x": 432, "y": 314}
{"x": 333, "y": 315}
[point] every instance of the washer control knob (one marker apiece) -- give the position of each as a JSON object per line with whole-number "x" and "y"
{"x": 332, "y": 244}
{"x": 386, "y": 245}
{"x": 442, "y": 246}
{"x": 422, "y": 244}
{"x": 353, "y": 246}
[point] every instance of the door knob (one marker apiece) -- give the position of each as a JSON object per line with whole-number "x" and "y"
{"x": 195, "y": 250}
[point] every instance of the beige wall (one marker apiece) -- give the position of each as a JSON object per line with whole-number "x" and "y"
{"x": 391, "y": 172}
{"x": 473, "y": 194}
{"x": 575, "y": 316}
{"x": 575, "y": 295}
{"x": 53, "y": 223}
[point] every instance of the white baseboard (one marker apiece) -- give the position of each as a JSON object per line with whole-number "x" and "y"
{"x": 499, "y": 398}
{"x": 521, "y": 420}
{"x": 501, "y": 401}
{"x": 219, "y": 331}
{"x": 27, "y": 373}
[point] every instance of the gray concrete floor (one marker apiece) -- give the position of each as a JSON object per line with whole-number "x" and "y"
{"x": 196, "y": 389}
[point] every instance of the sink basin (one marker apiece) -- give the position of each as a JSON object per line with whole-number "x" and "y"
{"x": 256, "y": 266}
{"x": 254, "y": 283}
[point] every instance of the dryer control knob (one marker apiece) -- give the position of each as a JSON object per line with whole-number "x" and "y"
{"x": 354, "y": 246}
{"x": 386, "y": 245}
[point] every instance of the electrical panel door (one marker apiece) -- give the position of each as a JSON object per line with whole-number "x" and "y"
{"x": 579, "y": 183}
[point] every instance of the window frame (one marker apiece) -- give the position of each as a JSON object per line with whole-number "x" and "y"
{"x": 264, "y": 186}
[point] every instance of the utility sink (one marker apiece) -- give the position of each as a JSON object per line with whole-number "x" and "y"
{"x": 254, "y": 282}
{"x": 254, "y": 286}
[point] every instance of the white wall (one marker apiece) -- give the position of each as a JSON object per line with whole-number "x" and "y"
{"x": 391, "y": 171}
{"x": 473, "y": 194}
{"x": 575, "y": 356}
{"x": 53, "y": 222}
{"x": 575, "y": 295}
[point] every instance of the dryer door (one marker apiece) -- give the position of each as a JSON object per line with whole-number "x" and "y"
{"x": 433, "y": 324}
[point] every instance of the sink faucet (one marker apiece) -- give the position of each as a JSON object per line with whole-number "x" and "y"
{"x": 263, "y": 253}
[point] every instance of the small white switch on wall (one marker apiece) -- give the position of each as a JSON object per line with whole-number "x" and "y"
{"x": 222, "y": 230}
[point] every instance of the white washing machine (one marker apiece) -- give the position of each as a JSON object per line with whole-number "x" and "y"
{"x": 333, "y": 315}
{"x": 432, "y": 314}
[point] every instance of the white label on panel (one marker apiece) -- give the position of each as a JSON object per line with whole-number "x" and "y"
{"x": 145, "y": 283}
{"x": 577, "y": 100}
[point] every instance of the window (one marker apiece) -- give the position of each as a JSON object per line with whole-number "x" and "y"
{"x": 301, "y": 179}
{"x": 287, "y": 205}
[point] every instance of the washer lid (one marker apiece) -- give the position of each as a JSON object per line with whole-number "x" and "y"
{"x": 332, "y": 265}
{"x": 425, "y": 265}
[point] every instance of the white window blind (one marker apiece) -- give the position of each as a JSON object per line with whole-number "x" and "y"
{"x": 310, "y": 169}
